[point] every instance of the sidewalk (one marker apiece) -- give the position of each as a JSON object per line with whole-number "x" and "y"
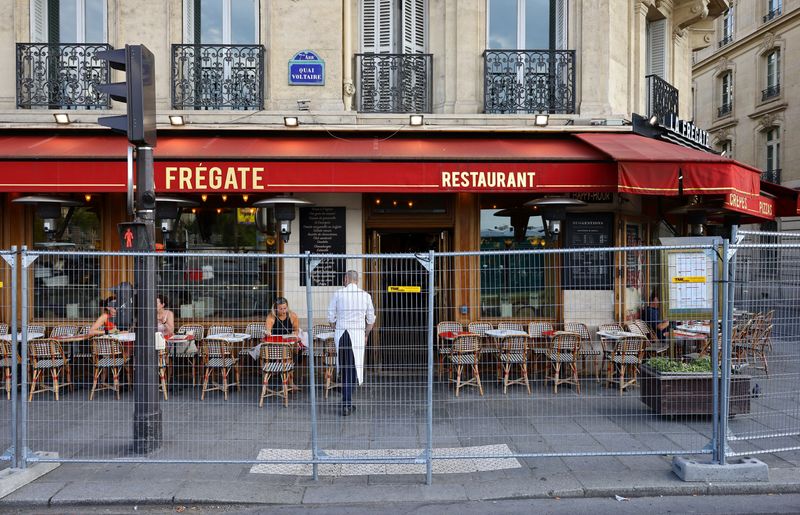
{"x": 76, "y": 484}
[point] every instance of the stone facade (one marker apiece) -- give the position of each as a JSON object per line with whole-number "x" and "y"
{"x": 753, "y": 110}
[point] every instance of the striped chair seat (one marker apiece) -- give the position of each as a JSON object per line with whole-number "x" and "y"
{"x": 220, "y": 362}
{"x": 50, "y": 363}
{"x": 463, "y": 359}
{"x": 275, "y": 366}
{"x": 590, "y": 352}
{"x": 5, "y": 362}
{"x": 110, "y": 362}
{"x": 561, "y": 357}
{"x": 330, "y": 360}
{"x": 445, "y": 350}
{"x": 489, "y": 350}
{"x": 514, "y": 357}
{"x": 625, "y": 359}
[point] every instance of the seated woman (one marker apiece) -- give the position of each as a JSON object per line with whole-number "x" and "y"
{"x": 164, "y": 317}
{"x": 281, "y": 320}
{"x": 652, "y": 317}
{"x": 104, "y": 323}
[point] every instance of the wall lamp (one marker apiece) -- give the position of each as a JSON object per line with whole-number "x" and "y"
{"x": 416, "y": 120}
{"x": 541, "y": 120}
{"x": 291, "y": 121}
{"x": 62, "y": 118}
{"x": 177, "y": 120}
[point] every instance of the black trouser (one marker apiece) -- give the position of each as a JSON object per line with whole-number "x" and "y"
{"x": 347, "y": 369}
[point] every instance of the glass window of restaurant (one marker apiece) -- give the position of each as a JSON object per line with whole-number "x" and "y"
{"x": 67, "y": 285}
{"x": 220, "y": 276}
{"x": 515, "y": 285}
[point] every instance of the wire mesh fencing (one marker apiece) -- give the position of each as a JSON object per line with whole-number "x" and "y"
{"x": 8, "y": 359}
{"x": 766, "y": 342}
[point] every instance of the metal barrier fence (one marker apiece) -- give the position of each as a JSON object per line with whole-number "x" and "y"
{"x": 483, "y": 355}
{"x": 8, "y": 360}
{"x": 766, "y": 341}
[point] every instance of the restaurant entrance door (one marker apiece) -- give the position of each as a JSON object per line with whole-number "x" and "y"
{"x": 400, "y": 291}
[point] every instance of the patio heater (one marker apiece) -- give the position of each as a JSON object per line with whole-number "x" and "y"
{"x": 283, "y": 207}
{"x": 49, "y": 210}
{"x": 519, "y": 219}
{"x": 168, "y": 211}
{"x": 697, "y": 212}
{"x": 554, "y": 211}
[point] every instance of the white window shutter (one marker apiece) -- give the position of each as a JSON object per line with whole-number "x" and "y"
{"x": 385, "y": 25}
{"x": 188, "y": 22}
{"x": 38, "y": 21}
{"x": 561, "y": 25}
{"x": 413, "y": 23}
{"x": 377, "y": 26}
{"x": 657, "y": 48}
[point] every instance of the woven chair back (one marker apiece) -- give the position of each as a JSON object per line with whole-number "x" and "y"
{"x": 197, "y": 330}
{"x": 106, "y": 347}
{"x": 37, "y": 329}
{"x": 510, "y": 326}
{"x": 318, "y": 329}
{"x": 537, "y": 329}
{"x": 449, "y": 327}
{"x": 465, "y": 344}
{"x": 63, "y": 330}
{"x": 214, "y": 348}
{"x": 640, "y": 327}
{"x": 5, "y": 350}
{"x": 276, "y": 352}
{"x": 219, "y": 329}
{"x": 41, "y": 349}
{"x": 610, "y": 328}
{"x": 256, "y": 330}
{"x": 85, "y": 329}
{"x": 4, "y": 328}
{"x": 566, "y": 343}
{"x": 480, "y": 327}
{"x": 630, "y": 345}
{"x": 515, "y": 344}
{"x": 578, "y": 328}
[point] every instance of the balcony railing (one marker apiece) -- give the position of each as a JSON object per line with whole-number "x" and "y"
{"x": 61, "y": 76}
{"x": 773, "y": 176}
{"x": 724, "y": 110}
{"x": 724, "y": 41}
{"x": 770, "y": 92}
{"x": 394, "y": 83}
{"x": 218, "y": 77}
{"x": 772, "y": 14}
{"x": 662, "y": 97}
{"x": 529, "y": 81}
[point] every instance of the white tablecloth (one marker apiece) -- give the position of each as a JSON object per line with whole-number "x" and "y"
{"x": 617, "y": 335}
{"x": 503, "y": 333}
{"x": 31, "y": 336}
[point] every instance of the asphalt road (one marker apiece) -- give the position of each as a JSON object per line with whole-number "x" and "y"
{"x": 735, "y": 504}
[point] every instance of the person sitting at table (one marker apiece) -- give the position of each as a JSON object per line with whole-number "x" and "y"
{"x": 281, "y": 320}
{"x": 652, "y": 317}
{"x": 164, "y": 317}
{"x": 105, "y": 323}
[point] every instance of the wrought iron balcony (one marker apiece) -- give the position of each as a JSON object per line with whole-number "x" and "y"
{"x": 724, "y": 110}
{"x": 218, "y": 77}
{"x": 662, "y": 97}
{"x": 529, "y": 81}
{"x": 724, "y": 41}
{"x": 394, "y": 83}
{"x": 773, "y": 176}
{"x": 61, "y": 76}
{"x": 772, "y": 14}
{"x": 770, "y": 92}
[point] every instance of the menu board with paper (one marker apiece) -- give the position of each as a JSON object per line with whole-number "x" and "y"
{"x": 322, "y": 231}
{"x": 689, "y": 284}
{"x": 591, "y": 270}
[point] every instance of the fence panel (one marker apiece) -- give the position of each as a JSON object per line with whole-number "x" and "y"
{"x": 517, "y": 302}
{"x": 8, "y": 360}
{"x": 766, "y": 308}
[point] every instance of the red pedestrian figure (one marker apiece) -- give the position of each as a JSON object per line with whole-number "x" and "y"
{"x": 128, "y": 238}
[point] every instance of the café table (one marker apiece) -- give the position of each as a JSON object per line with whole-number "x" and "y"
{"x": 694, "y": 328}
{"x": 698, "y": 340}
{"x": 31, "y": 336}
{"x": 497, "y": 342}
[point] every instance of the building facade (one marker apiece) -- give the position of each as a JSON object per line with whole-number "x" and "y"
{"x": 745, "y": 92}
{"x": 520, "y": 99}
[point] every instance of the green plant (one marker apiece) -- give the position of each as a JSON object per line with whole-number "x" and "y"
{"x": 671, "y": 365}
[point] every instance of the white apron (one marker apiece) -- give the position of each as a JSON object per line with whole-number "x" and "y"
{"x": 357, "y": 340}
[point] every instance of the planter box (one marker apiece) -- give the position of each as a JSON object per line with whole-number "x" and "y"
{"x": 682, "y": 393}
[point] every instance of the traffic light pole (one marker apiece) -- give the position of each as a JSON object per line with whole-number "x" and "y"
{"x": 147, "y": 412}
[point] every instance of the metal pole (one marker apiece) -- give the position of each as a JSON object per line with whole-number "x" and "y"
{"x": 723, "y": 410}
{"x": 429, "y": 422}
{"x": 147, "y": 412}
{"x": 22, "y": 450}
{"x": 16, "y": 445}
{"x": 312, "y": 378}
{"x": 727, "y": 345}
{"x": 715, "y": 298}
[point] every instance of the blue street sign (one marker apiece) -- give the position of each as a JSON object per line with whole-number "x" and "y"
{"x": 306, "y": 69}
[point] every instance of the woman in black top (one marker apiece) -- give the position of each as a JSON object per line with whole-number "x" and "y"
{"x": 281, "y": 320}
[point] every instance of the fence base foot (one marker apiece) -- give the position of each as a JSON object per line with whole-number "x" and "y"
{"x": 736, "y": 470}
{"x": 12, "y": 479}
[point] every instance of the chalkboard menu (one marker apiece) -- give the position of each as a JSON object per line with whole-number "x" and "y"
{"x": 591, "y": 270}
{"x": 322, "y": 231}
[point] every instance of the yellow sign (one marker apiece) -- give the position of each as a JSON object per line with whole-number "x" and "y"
{"x": 246, "y": 215}
{"x": 404, "y": 289}
{"x": 689, "y": 279}
{"x": 1, "y": 284}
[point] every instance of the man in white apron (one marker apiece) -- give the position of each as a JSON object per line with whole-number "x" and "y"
{"x": 352, "y": 311}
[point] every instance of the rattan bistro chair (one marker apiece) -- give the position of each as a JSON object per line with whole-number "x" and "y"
{"x": 218, "y": 361}
{"x": 465, "y": 352}
{"x": 654, "y": 346}
{"x": 330, "y": 366}
{"x": 3, "y": 328}
{"x": 443, "y": 345}
{"x": 624, "y": 360}
{"x": 6, "y": 360}
{"x": 47, "y": 358}
{"x": 586, "y": 348}
{"x": 276, "y": 358}
{"x": 514, "y": 352}
{"x": 108, "y": 359}
{"x": 563, "y": 353}
{"x": 191, "y": 359}
{"x": 539, "y": 344}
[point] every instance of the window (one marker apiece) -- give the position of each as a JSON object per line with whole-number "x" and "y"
{"x": 514, "y": 285}
{"x": 773, "y": 88}
{"x": 656, "y": 35}
{"x": 727, "y": 28}
{"x": 726, "y": 95}
{"x": 68, "y": 21}
{"x": 220, "y": 22}
{"x": 772, "y": 165}
{"x": 527, "y": 24}
{"x": 393, "y": 26}
{"x": 774, "y": 9}
{"x": 725, "y": 148}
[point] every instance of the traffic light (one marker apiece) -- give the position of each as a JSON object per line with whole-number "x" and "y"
{"x": 138, "y": 92}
